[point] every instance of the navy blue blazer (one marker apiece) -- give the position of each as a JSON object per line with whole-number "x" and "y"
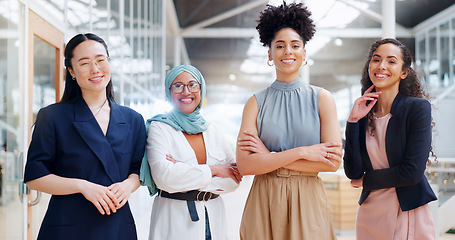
{"x": 408, "y": 143}
{"x": 67, "y": 141}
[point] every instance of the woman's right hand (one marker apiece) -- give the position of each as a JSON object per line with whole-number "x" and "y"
{"x": 357, "y": 183}
{"x": 170, "y": 158}
{"x": 360, "y": 108}
{"x": 100, "y": 196}
{"x": 228, "y": 170}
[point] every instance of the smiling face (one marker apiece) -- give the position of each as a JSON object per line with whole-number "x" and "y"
{"x": 288, "y": 53}
{"x": 186, "y": 101}
{"x": 386, "y": 67}
{"x": 90, "y": 67}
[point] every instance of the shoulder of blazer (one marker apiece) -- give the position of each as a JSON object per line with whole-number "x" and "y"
{"x": 403, "y": 104}
{"x": 58, "y": 111}
{"x": 58, "y": 106}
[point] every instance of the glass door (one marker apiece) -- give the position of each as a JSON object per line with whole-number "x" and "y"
{"x": 11, "y": 126}
{"x": 45, "y": 55}
{"x": 43, "y": 94}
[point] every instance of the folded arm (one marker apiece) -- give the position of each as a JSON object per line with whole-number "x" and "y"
{"x": 411, "y": 170}
{"x": 182, "y": 174}
{"x": 252, "y": 161}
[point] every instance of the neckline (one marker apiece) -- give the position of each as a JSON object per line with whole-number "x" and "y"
{"x": 385, "y": 116}
{"x": 287, "y": 86}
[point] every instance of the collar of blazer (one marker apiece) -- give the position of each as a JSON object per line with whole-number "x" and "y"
{"x": 104, "y": 147}
{"x": 396, "y": 103}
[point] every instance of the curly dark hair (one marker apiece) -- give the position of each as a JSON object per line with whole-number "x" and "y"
{"x": 411, "y": 85}
{"x": 294, "y": 16}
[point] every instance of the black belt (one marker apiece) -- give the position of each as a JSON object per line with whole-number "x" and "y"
{"x": 190, "y": 197}
{"x": 193, "y": 195}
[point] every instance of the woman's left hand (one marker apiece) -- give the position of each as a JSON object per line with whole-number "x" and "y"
{"x": 357, "y": 183}
{"x": 122, "y": 192}
{"x": 251, "y": 142}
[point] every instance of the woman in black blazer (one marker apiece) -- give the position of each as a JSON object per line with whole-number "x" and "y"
{"x": 86, "y": 151}
{"x": 388, "y": 142}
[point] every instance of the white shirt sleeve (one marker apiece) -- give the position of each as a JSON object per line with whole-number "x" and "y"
{"x": 219, "y": 152}
{"x": 186, "y": 174}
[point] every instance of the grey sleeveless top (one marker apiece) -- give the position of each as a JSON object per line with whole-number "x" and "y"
{"x": 288, "y": 115}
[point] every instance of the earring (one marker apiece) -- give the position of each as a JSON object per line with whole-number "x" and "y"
{"x": 306, "y": 62}
{"x": 270, "y": 64}
{"x": 74, "y": 79}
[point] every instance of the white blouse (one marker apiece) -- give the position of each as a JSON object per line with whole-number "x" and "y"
{"x": 170, "y": 218}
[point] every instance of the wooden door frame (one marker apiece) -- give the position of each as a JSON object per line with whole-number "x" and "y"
{"x": 40, "y": 28}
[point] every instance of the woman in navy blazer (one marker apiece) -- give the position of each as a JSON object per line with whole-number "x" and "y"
{"x": 86, "y": 151}
{"x": 388, "y": 142}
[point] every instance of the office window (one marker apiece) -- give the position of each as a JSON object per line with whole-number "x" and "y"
{"x": 445, "y": 51}
{"x": 134, "y": 32}
{"x": 433, "y": 60}
{"x": 420, "y": 55}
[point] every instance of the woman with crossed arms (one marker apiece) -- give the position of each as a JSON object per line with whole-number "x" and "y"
{"x": 191, "y": 164}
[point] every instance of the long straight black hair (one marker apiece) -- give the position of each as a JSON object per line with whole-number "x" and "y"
{"x": 72, "y": 90}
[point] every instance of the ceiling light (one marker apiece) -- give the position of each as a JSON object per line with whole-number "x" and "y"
{"x": 310, "y": 62}
{"x": 338, "y": 41}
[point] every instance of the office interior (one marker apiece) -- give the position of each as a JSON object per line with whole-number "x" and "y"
{"x": 146, "y": 38}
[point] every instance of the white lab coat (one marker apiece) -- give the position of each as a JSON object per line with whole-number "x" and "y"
{"x": 170, "y": 218}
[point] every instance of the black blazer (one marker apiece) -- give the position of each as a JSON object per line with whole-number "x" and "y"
{"x": 67, "y": 141}
{"x": 408, "y": 143}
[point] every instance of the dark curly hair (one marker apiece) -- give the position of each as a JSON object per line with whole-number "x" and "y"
{"x": 411, "y": 85}
{"x": 294, "y": 16}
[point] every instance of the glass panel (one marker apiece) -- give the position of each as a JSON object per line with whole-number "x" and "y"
{"x": 43, "y": 95}
{"x": 43, "y": 75}
{"x": 421, "y": 58}
{"x": 133, "y": 32}
{"x": 444, "y": 74}
{"x": 433, "y": 64}
{"x": 452, "y": 50}
{"x": 11, "y": 207}
{"x": 53, "y": 7}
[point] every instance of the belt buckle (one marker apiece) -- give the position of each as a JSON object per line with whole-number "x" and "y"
{"x": 283, "y": 172}
{"x": 204, "y": 196}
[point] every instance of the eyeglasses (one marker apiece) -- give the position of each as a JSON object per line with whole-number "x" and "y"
{"x": 86, "y": 64}
{"x": 193, "y": 87}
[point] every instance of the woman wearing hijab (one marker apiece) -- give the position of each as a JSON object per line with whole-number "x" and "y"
{"x": 191, "y": 164}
